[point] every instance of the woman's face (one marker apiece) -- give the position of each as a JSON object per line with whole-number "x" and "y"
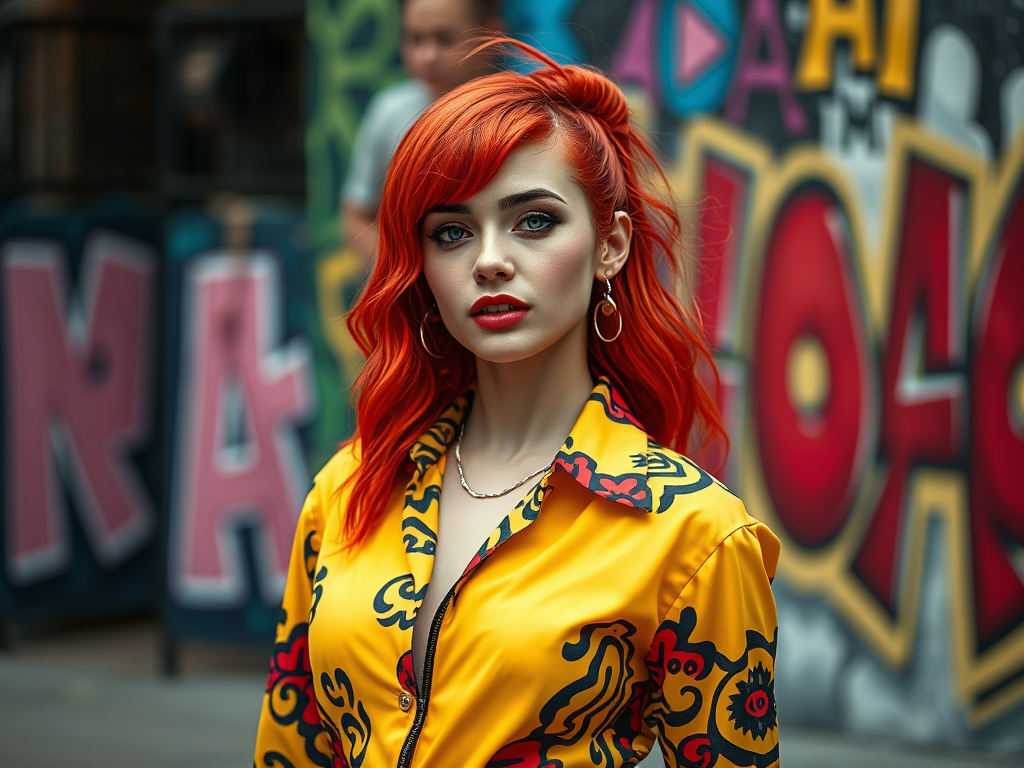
{"x": 512, "y": 267}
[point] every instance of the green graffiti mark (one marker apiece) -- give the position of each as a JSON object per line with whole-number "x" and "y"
{"x": 353, "y": 48}
{"x": 352, "y": 53}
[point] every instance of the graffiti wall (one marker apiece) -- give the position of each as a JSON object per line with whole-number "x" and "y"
{"x": 113, "y": 414}
{"x": 239, "y": 370}
{"x": 78, "y": 328}
{"x": 353, "y": 51}
{"x": 854, "y": 175}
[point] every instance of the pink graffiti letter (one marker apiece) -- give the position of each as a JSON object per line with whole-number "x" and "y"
{"x": 753, "y": 73}
{"x": 634, "y": 59}
{"x": 238, "y": 455}
{"x": 77, "y": 391}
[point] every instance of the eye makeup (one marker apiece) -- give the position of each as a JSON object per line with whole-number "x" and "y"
{"x": 457, "y": 233}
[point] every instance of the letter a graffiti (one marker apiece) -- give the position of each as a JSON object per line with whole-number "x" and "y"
{"x": 238, "y": 458}
{"x": 76, "y": 392}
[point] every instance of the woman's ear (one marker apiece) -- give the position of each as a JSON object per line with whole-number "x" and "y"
{"x": 614, "y": 250}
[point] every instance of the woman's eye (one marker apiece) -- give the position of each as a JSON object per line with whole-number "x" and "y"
{"x": 454, "y": 234}
{"x": 536, "y": 222}
{"x": 448, "y": 235}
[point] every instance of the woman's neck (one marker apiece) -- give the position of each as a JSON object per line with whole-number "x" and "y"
{"x": 529, "y": 406}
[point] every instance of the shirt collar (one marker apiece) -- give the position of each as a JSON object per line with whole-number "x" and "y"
{"x": 607, "y": 451}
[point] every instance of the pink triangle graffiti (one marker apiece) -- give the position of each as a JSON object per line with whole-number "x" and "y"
{"x": 701, "y": 46}
{"x": 634, "y": 60}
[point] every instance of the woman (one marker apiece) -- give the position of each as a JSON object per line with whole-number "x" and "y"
{"x": 525, "y": 367}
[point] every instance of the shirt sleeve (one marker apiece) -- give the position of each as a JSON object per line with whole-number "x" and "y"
{"x": 290, "y": 733}
{"x": 368, "y": 161}
{"x": 712, "y": 662}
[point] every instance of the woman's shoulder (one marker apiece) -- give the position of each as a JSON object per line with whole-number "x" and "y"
{"x": 702, "y": 517}
{"x": 329, "y": 481}
{"x": 339, "y": 467}
{"x": 686, "y": 496}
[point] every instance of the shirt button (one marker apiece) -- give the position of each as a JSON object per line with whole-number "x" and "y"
{"x": 404, "y": 701}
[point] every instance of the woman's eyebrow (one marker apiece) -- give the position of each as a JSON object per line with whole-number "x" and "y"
{"x": 450, "y": 208}
{"x": 504, "y": 203}
{"x": 525, "y": 197}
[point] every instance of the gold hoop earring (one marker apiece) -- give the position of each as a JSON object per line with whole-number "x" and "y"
{"x": 423, "y": 337}
{"x": 607, "y": 307}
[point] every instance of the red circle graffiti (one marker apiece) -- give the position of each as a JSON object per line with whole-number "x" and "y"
{"x": 812, "y": 462}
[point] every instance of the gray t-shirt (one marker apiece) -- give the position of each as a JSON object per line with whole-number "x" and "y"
{"x": 388, "y": 116}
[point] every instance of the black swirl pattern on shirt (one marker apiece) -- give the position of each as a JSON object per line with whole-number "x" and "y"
{"x": 671, "y": 475}
{"x": 310, "y": 555}
{"x": 318, "y": 591}
{"x": 615, "y": 407}
{"x": 353, "y": 722}
{"x": 600, "y": 706}
{"x": 398, "y": 601}
{"x": 291, "y": 699}
{"x": 418, "y": 536}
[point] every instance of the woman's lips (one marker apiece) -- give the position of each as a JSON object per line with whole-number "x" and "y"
{"x": 496, "y": 321}
{"x": 494, "y": 313}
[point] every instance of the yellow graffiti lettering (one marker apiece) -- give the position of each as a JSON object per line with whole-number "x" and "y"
{"x": 896, "y": 77}
{"x": 334, "y": 272}
{"x": 828, "y": 22}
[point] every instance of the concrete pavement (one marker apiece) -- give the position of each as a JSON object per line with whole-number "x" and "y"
{"x": 93, "y": 699}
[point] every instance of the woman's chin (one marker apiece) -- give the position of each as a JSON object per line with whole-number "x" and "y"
{"x": 509, "y": 349}
{"x": 504, "y": 356}
{"x": 526, "y": 341}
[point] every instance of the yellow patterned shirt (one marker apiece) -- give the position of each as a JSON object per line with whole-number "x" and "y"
{"x": 626, "y": 598}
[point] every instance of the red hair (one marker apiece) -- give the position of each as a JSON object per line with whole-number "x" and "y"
{"x": 449, "y": 154}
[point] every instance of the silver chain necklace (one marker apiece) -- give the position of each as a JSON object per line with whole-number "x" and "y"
{"x": 462, "y": 477}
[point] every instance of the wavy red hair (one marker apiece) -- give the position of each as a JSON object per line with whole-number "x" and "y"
{"x": 449, "y": 154}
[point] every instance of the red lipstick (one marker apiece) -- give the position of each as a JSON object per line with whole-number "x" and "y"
{"x": 495, "y": 313}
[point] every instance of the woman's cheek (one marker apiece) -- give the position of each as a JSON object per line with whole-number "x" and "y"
{"x": 444, "y": 283}
{"x": 569, "y": 281}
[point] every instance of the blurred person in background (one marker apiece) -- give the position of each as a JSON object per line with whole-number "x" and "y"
{"x": 434, "y": 54}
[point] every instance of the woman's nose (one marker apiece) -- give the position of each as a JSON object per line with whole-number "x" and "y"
{"x": 492, "y": 262}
